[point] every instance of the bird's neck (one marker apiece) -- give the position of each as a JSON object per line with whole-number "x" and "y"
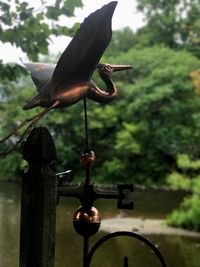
{"x": 102, "y": 96}
{"x": 109, "y": 83}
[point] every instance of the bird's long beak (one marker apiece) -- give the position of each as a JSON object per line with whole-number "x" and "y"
{"x": 120, "y": 67}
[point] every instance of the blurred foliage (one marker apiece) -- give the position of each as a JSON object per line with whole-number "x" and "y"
{"x": 30, "y": 28}
{"x": 175, "y": 23}
{"x": 188, "y": 216}
{"x": 122, "y": 40}
{"x": 150, "y": 134}
{"x": 138, "y": 136}
{"x": 188, "y": 178}
{"x": 196, "y": 80}
{"x": 159, "y": 98}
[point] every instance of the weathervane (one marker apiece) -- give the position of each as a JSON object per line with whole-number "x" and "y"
{"x": 69, "y": 81}
{"x": 65, "y": 84}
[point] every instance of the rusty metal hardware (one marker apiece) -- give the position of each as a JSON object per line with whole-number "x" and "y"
{"x": 87, "y": 194}
{"x": 124, "y": 199}
{"x": 64, "y": 177}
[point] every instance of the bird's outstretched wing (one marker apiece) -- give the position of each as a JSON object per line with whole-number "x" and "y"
{"x": 83, "y": 53}
{"x": 41, "y": 73}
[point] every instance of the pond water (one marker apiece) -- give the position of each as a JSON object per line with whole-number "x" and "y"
{"x": 178, "y": 251}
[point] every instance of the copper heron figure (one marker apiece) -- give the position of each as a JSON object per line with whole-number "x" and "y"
{"x": 69, "y": 81}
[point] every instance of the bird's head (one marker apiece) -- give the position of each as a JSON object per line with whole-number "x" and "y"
{"x": 108, "y": 69}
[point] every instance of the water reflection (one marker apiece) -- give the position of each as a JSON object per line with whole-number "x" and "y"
{"x": 9, "y": 225}
{"x": 177, "y": 251}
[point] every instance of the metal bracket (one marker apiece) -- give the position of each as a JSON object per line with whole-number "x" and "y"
{"x": 88, "y": 193}
{"x": 124, "y": 196}
{"x": 64, "y": 179}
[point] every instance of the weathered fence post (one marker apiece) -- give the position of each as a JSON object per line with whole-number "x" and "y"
{"x": 38, "y": 202}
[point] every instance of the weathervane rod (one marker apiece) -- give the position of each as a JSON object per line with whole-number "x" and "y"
{"x": 86, "y": 124}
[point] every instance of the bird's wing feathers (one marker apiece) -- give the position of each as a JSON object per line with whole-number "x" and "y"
{"x": 41, "y": 73}
{"x": 82, "y": 55}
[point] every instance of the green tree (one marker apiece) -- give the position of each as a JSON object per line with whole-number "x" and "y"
{"x": 140, "y": 134}
{"x": 11, "y": 115}
{"x": 159, "y": 111}
{"x": 187, "y": 178}
{"x": 174, "y": 23}
{"x": 66, "y": 127}
{"x": 31, "y": 28}
{"x": 122, "y": 40}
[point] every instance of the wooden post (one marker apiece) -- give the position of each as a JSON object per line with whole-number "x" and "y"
{"x": 38, "y": 202}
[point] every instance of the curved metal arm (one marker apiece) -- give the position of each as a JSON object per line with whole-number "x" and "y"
{"x": 129, "y": 234}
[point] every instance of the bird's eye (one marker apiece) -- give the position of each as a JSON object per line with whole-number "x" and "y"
{"x": 107, "y": 69}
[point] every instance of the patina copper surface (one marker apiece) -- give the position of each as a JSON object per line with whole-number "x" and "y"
{"x": 88, "y": 157}
{"x": 86, "y": 220}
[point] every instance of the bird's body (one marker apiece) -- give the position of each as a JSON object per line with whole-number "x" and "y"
{"x": 76, "y": 90}
{"x": 70, "y": 80}
{"x": 70, "y": 91}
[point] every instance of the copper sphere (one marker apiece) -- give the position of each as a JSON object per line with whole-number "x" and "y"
{"x": 86, "y": 221}
{"x": 88, "y": 157}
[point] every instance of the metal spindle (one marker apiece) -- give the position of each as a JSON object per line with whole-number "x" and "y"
{"x": 86, "y": 124}
{"x": 125, "y": 261}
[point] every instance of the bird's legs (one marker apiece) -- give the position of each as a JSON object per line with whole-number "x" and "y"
{"x": 27, "y": 130}
{"x": 26, "y": 121}
{"x": 32, "y": 120}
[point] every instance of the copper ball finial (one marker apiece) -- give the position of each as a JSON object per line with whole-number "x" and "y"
{"x": 86, "y": 221}
{"x": 88, "y": 157}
